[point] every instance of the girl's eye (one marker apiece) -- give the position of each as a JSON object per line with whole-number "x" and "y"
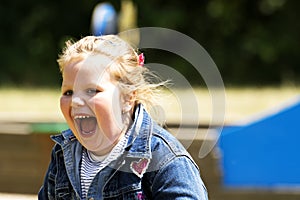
{"x": 68, "y": 93}
{"x": 92, "y": 91}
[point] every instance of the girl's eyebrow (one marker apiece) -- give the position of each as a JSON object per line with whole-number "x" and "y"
{"x": 87, "y": 86}
{"x": 95, "y": 86}
{"x": 64, "y": 86}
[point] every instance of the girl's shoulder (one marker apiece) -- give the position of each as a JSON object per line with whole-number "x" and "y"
{"x": 161, "y": 138}
{"x": 166, "y": 148}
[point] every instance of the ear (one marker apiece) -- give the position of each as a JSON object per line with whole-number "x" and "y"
{"x": 128, "y": 101}
{"x": 130, "y": 98}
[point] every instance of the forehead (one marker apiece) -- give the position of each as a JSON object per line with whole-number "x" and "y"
{"x": 95, "y": 63}
{"x": 91, "y": 68}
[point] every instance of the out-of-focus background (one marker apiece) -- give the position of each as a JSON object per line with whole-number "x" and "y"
{"x": 254, "y": 44}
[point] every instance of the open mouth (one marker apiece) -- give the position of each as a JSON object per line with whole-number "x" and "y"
{"x": 86, "y": 124}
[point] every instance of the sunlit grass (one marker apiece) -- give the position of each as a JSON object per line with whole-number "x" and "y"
{"x": 240, "y": 103}
{"x": 243, "y": 103}
{"x": 30, "y": 104}
{"x": 28, "y": 99}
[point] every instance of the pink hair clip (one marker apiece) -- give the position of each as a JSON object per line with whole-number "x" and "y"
{"x": 141, "y": 59}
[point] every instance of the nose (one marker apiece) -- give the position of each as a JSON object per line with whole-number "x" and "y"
{"x": 77, "y": 101}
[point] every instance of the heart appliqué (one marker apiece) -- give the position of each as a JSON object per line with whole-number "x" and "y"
{"x": 140, "y": 167}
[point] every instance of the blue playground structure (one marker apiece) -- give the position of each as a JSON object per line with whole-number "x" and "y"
{"x": 263, "y": 153}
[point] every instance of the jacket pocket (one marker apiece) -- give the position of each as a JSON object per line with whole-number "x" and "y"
{"x": 62, "y": 192}
{"x": 132, "y": 192}
{"x": 126, "y": 195}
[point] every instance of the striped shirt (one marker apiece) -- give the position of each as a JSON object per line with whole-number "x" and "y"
{"x": 92, "y": 164}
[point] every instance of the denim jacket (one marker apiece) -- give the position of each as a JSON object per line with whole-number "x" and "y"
{"x": 154, "y": 166}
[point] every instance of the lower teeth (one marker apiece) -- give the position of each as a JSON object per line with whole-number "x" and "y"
{"x": 86, "y": 133}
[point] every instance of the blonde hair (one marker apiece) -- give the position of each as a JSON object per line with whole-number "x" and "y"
{"x": 124, "y": 68}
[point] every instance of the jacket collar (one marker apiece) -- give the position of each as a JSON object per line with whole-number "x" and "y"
{"x": 66, "y": 137}
{"x": 138, "y": 145}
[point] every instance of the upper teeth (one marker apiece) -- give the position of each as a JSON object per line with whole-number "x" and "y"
{"x": 81, "y": 117}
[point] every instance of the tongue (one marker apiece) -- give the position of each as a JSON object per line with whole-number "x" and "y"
{"x": 88, "y": 125}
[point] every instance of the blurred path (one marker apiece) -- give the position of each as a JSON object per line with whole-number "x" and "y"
{"x": 6, "y": 196}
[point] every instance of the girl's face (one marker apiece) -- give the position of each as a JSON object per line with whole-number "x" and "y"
{"x": 92, "y": 104}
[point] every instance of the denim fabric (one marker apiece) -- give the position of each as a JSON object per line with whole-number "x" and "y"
{"x": 154, "y": 166}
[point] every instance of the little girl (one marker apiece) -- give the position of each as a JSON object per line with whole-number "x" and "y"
{"x": 113, "y": 149}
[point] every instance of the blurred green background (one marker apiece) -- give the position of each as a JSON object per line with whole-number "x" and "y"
{"x": 253, "y": 42}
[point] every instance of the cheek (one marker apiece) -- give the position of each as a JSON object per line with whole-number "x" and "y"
{"x": 108, "y": 112}
{"x": 101, "y": 108}
{"x": 65, "y": 105}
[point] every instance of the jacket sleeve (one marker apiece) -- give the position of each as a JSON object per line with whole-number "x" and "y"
{"x": 49, "y": 180}
{"x": 179, "y": 179}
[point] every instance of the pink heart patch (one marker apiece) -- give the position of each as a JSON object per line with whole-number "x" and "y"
{"x": 140, "y": 167}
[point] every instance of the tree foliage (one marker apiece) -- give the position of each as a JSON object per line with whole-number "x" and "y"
{"x": 251, "y": 41}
